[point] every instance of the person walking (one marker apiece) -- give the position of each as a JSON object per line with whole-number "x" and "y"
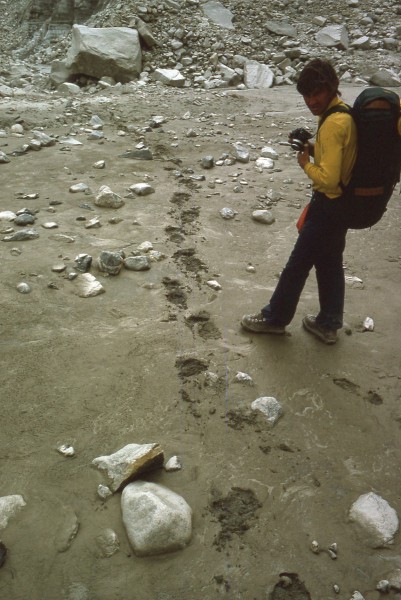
{"x": 321, "y": 239}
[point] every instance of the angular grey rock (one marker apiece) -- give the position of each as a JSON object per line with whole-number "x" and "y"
{"x": 269, "y": 407}
{"x": 173, "y": 464}
{"x": 110, "y": 262}
{"x": 333, "y": 35}
{"x": 25, "y": 219}
{"x": 241, "y": 153}
{"x": 108, "y": 51}
{"x": 207, "y": 162}
{"x": 108, "y": 199}
{"x": 129, "y": 462}
{"x": 22, "y": 236}
{"x": 230, "y": 76}
{"x": 257, "y": 75}
{"x": 83, "y": 262}
{"x": 157, "y": 520}
{"x": 9, "y": 507}
{"x": 44, "y": 139}
{"x": 171, "y": 77}
{"x": 385, "y": 78}
{"x": 145, "y": 34}
{"x": 69, "y": 89}
{"x": 218, "y": 13}
{"x": 281, "y": 28}
{"x": 376, "y": 518}
{"x": 361, "y": 43}
{"x": 263, "y": 216}
{"x": 137, "y": 263}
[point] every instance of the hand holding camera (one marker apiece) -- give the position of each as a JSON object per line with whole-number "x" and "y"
{"x": 298, "y": 138}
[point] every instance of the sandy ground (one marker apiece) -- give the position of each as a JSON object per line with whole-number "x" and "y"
{"x": 129, "y": 366}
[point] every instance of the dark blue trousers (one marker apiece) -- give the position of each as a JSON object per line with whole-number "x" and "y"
{"x": 320, "y": 244}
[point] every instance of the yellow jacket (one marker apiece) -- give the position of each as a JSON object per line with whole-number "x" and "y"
{"x": 334, "y": 153}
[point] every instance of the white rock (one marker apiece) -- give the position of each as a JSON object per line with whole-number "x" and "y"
{"x": 269, "y": 407}
{"x": 171, "y": 77}
{"x": 142, "y": 189}
{"x": 228, "y": 213}
{"x": 108, "y": 199}
{"x": 157, "y": 520}
{"x": 9, "y": 507}
{"x": 268, "y": 152}
{"x": 100, "y": 164}
{"x": 264, "y": 163}
{"x": 24, "y": 288}
{"x": 128, "y": 462}
{"x": 215, "y": 285}
{"x": 69, "y": 89}
{"x": 357, "y": 596}
{"x": 378, "y": 520}
{"x": 87, "y": 286}
{"x": 257, "y": 75}
{"x": 173, "y": 464}
{"x": 243, "y": 378}
{"x": 263, "y": 216}
{"x": 103, "y": 491}
{"x": 333, "y": 35}
{"x": 66, "y": 450}
{"x": 17, "y": 128}
{"x": 78, "y": 187}
{"x": 7, "y": 215}
{"x": 145, "y": 246}
{"x": 368, "y": 324}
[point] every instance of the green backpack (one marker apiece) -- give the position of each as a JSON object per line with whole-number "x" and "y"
{"x": 376, "y": 112}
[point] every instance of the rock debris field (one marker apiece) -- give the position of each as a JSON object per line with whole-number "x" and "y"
{"x": 150, "y": 447}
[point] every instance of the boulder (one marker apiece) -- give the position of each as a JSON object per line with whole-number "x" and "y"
{"x": 281, "y": 28}
{"x": 333, "y": 35}
{"x": 102, "y": 52}
{"x": 169, "y": 77}
{"x": 217, "y": 13}
{"x": 257, "y": 75}
{"x": 157, "y": 520}
{"x": 376, "y": 518}
{"x": 129, "y": 462}
{"x": 385, "y": 78}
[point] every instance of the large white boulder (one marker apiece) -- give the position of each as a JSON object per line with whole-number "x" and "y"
{"x": 157, "y": 520}
{"x": 376, "y": 518}
{"x": 333, "y": 35}
{"x": 257, "y": 75}
{"x": 101, "y": 52}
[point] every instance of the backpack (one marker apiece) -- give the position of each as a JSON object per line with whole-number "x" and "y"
{"x": 377, "y": 167}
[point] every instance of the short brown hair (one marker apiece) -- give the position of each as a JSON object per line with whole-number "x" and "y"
{"x": 317, "y": 75}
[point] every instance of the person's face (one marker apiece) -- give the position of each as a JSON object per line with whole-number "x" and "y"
{"x": 318, "y": 101}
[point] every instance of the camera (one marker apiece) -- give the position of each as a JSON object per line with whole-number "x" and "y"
{"x": 298, "y": 138}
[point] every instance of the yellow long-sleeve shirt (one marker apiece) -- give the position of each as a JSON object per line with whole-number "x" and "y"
{"x": 334, "y": 153}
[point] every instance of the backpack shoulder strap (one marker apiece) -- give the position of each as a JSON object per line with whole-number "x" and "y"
{"x": 339, "y": 108}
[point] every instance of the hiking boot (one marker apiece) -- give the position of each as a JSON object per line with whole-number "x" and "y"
{"x": 328, "y": 336}
{"x": 258, "y": 324}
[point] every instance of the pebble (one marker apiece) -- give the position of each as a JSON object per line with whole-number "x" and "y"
{"x": 66, "y": 450}
{"x": 173, "y": 464}
{"x": 78, "y": 187}
{"x": 24, "y": 288}
{"x": 103, "y": 491}
{"x": 228, "y": 213}
{"x": 368, "y": 324}
{"x": 22, "y": 236}
{"x": 108, "y": 543}
{"x": 269, "y": 407}
{"x": 215, "y": 285}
